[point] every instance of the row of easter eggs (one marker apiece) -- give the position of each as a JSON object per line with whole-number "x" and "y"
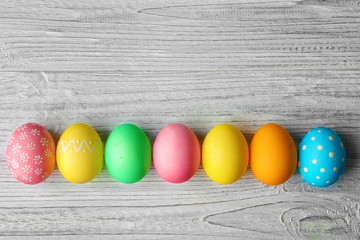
{"x": 176, "y": 154}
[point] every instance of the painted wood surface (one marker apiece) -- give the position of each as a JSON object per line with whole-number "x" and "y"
{"x": 201, "y": 63}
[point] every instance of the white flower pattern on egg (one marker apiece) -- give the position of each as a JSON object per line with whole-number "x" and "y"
{"x": 47, "y": 153}
{"x": 26, "y": 178}
{"x": 43, "y": 142}
{"x": 35, "y": 132}
{"x": 16, "y": 148}
{"x": 23, "y": 136}
{"x": 24, "y": 157}
{"x": 38, "y": 171}
{"x": 15, "y": 164}
{"x": 27, "y": 169}
{"x": 31, "y": 146}
{"x": 38, "y": 160}
{"x": 45, "y": 175}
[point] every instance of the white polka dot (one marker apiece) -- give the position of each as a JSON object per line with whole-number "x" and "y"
{"x": 305, "y": 169}
{"x": 331, "y": 154}
{"x": 327, "y": 182}
{"x": 331, "y": 138}
{"x": 77, "y": 141}
{"x": 304, "y": 147}
{"x": 319, "y": 131}
{"x": 319, "y": 147}
{"x": 314, "y": 161}
{"x": 335, "y": 169}
{"x": 313, "y": 138}
{"x": 66, "y": 141}
{"x": 313, "y": 183}
{"x": 342, "y": 159}
{"x": 71, "y": 150}
{"x": 317, "y": 177}
{"x": 322, "y": 170}
{"x": 90, "y": 142}
{"x": 341, "y": 144}
{"x": 84, "y": 150}
{"x": 59, "y": 151}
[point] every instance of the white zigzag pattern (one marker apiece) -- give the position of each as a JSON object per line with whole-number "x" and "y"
{"x": 77, "y": 149}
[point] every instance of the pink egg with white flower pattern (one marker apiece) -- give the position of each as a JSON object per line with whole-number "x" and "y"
{"x": 30, "y": 154}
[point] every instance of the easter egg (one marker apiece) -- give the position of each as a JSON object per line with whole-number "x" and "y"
{"x": 128, "y": 153}
{"x": 273, "y": 155}
{"x": 176, "y": 153}
{"x": 79, "y": 153}
{"x": 30, "y": 154}
{"x": 225, "y": 154}
{"x": 321, "y": 157}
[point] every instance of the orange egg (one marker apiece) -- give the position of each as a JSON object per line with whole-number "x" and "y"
{"x": 273, "y": 155}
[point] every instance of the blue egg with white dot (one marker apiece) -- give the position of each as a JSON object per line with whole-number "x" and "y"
{"x": 321, "y": 157}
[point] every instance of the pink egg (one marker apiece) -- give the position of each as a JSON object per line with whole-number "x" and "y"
{"x": 176, "y": 153}
{"x": 30, "y": 154}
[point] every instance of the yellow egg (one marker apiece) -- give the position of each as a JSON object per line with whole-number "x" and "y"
{"x": 225, "y": 154}
{"x": 79, "y": 153}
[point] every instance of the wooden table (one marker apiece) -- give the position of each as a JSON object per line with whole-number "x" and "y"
{"x": 201, "y": 63}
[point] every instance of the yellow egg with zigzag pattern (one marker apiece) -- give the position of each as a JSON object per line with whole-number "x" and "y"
{"x": 79, "y": 153}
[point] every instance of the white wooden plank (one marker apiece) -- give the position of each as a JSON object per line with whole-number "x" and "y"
{"x": 172, "y": 35}
{"x": 295, "y": 63}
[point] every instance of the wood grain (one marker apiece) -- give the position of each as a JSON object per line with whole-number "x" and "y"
{"x": 295, "y": 63}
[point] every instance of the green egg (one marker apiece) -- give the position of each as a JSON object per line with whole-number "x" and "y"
{"x": 128, "y": 153}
